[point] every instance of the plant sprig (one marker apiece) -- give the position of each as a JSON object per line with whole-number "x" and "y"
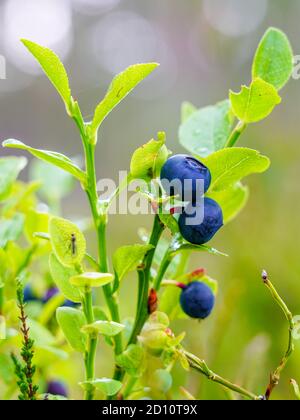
{"x": 25, "y": 371}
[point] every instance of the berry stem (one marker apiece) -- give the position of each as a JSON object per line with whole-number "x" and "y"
{"x": 275, "y": 376}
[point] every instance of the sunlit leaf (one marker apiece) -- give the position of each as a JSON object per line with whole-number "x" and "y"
{"x": 10, "y": 167}
{"x": 229, "y": 166}
{"x": 273, "y": 60}
{"x": 256, "y": 102}
{"x": 53, "y": 68}
{"x": 71, "y": 322}
{"x": 57, "y": 159}
{"x": 120, "y": 87}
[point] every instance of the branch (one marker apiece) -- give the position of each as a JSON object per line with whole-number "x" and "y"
{"x": 275, "y": 377}
{"x": 201, "y": 367}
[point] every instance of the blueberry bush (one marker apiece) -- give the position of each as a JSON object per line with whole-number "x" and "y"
{"x": 51, "y": 286}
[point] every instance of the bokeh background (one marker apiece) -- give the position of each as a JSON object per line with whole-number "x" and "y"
{"x": 204, "y": 47}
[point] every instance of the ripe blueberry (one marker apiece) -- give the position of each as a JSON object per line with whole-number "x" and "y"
{"x": 53, "y": 291}
{"x": 181, "y": 168}
{"x": 57, "y": 388}
{"x": 29, "y": 294}
{"x": 201, "y": 233}
{"x": 197, "y": 300}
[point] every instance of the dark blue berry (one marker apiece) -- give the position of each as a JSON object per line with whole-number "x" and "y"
{"x": 185, "y": 168}
{"x": 29, "y": 294}
{"x": 53, "y": 291}
{"x": 197, "y": 300}
{"x": 202, "y": 232}
{"x": 57, "y": 388}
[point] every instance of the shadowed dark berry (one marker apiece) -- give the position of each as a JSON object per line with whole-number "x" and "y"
{"x": 197, "y": 300}
{"x": 53, "y": 291}
{"x": 57, "y": 388}
{"x": 29, "y": 295}
{"x": 185, "y": 168}
{"x": 201, "y": 233}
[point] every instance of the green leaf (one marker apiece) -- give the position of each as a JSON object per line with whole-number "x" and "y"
{"x": 228, "y": 166}
{"x": 35, "y": 221}
{"x": 187, "y": 110}
{"x": 10, "y": 168}
{"x": 61, "y": 275}
{"x": 133, "y": 360}
{"x": 107, "y": 328}
{"x": 11, "y": 229}
{"x": 120, "y": 87}
{"x": 41, "y": 335}
{"x": 232, "y": 200}
{"x": 53, "y": 68}
{"x": 107, "y": 386}
{"x": 182, "y": 246}
{"x": 90, "y": 279}
{"x": 56, "y": 183}
{"x": 207, "y": 129}
{"x": 2, "y": 328}
{"x": 56, "y": 159}
{"x": 254, "y": 103}
{"x": 147, "y": 160}
{"x": 71, "y": 321}
{"x": 161, "y": 380}
{"x": 6, "y": 368}
{"x": 273, "y": 60}
{"x": 67, "y": 241}
{"x": 170, "y": 222}
{"x": 128, "y": 258}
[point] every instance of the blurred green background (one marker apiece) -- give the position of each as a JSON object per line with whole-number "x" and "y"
{"x": 205, "y": 48}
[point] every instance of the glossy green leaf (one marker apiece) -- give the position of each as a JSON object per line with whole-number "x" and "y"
{"x": 128, "y": 258}
{"x": 182, "y": 246}
{"x": 90, "y": 279}
{"x": 231, "y": 200}
{"x": 133, "y": 360}
{"x": 107, "y": 328}
{"x": 71, "y": 322}
{"x": 55, "y": 182}
{"x": 61, "y": 276}
{"x": 147, "y": 160}
{"x": 54, "y": 158}
{"x": 207, "y": 129}
{"x": 187, "y": 110}
{"x": 273, "y": 60}
{"x": 107, "y": 386}
{"x": 254, "y": 103}
{"x": 35, "y": 221}
{"x": 67, "y": 241}
{"x": 228, "y": 166}
{"x": 11, "y": 229}
{"x": 120, "y": 87}
{"x": 53, "y": 68}
{"x": 170, "y": 222}
{"x": 10, "y": 167}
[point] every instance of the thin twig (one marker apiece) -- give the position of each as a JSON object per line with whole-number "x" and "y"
{"x": 201, "y": 367}
{"x": 275, "y": 376}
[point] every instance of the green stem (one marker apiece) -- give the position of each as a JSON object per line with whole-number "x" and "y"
{"x": 201, "y": 367}
{"x": 92, "y": 344}
{"x": 275, "y": 377}
{"x": 144, "y": 281}
{"x": 100, "y": 221}
{"x": 236, "y": 133}
{"x": 162, "y": 270}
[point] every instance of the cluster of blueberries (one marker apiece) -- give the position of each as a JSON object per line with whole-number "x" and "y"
{"x": 181, "y": 176}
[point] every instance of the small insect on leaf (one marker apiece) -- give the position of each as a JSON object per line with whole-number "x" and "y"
{"x": 68, "y": 242}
